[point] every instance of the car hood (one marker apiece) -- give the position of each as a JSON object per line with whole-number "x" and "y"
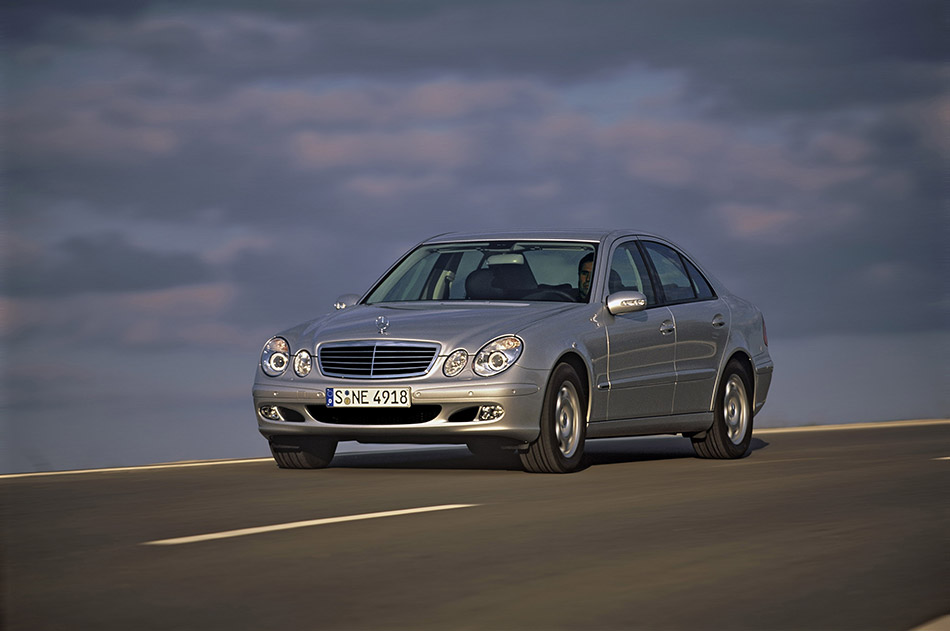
{"x": 463, "y": 325}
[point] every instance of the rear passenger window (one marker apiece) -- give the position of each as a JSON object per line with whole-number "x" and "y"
{"x": 676, "y": 283}
{"x": 700, "y": 286}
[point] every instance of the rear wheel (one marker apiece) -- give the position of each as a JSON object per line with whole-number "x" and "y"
{"x": 731, "y": 433}
{"x": 302, "y": 452}
{"x": 560, "y": 445}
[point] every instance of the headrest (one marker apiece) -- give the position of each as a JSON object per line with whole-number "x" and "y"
{"x": 614, "y": 283}
{"x": 478, "y": 285}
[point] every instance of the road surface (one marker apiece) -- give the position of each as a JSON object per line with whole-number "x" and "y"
{"x": 842, "y": 529}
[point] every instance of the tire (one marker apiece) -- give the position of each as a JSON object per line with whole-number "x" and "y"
{"x": 731, "y": 433}
{"x": 302, "y": 452}
{"x": 560, "y": 444}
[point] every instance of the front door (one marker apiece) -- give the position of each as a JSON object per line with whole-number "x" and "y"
{"x": 640, "y": 345}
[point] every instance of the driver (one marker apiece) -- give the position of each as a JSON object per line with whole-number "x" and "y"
{"x": 585, "y": 273}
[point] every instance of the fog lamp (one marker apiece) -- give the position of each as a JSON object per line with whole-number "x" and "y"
{"x": 270, "y": 412}
{"x": 490, "y": 412}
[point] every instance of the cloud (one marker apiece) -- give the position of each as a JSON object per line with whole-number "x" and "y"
{"x": 192, "y": 317}
{"x": 416, "y": 148}
{"x": 84, "y": 136}
{"x": 752, "y": 222}
{"x": 101, "y": 263}
{"x": 391, "y": 186}
{"x": 741, "y": 58}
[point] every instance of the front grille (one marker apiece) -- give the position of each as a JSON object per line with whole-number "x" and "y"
{"x": 376, "y": 360}
{"x": 374, "y": 416}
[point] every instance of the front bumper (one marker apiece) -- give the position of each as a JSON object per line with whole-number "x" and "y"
{"x": 453, "y": 407}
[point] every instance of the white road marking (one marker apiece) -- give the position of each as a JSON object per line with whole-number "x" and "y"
{"x": 945, "y": 458}
{"x": 846, "y": 426}
{"x": 301, "y": 524}
{"x": 147, "y": 467}
{"x": 939, "y": 624}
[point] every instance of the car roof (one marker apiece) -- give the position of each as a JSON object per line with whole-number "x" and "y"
{"x": 534, "y": 235}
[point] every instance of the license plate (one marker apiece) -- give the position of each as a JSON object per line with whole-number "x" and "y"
{"x": 369, "y": 397}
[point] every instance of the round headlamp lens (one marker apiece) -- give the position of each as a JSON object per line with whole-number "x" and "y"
{"x": 497, "y": 360}
{"x": 497, "y": 356}
{"x": 303, "y": 363}
{"x": 275, "y": 356}
{"x": 278, "y": 362}
{"x": 455, "y": 362}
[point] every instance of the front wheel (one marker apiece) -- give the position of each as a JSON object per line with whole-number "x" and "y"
{"x": 302, "y": 452}
{"x": 731, "y": 433}
{"x": 560, "y": 445}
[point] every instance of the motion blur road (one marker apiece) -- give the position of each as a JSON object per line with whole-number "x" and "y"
{"x": 843, "y": 529}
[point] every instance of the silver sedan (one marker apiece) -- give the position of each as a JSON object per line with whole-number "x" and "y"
{"x": 527, "y": 343}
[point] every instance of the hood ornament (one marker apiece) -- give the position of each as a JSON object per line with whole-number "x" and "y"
{"x": 382, "y": 323}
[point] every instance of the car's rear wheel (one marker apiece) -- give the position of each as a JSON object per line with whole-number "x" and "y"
{"x": 731, "y": 433}
{"x": 302, "y": 452}
{"x": 560, "y": 444}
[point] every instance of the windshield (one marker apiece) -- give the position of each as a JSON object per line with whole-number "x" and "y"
{"x": 496, "y": 270}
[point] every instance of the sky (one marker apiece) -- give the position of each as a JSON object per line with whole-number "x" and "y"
{"x": 182, "y": 180}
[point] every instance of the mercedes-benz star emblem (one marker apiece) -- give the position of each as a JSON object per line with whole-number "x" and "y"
{"x": 382, "y": 322}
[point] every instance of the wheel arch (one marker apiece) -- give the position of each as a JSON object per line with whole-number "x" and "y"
{"x": 745, "y": 361}
{"x": 583, "y": 370}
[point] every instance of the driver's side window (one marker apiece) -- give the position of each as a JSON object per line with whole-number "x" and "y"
{"x": 628, "y": 272}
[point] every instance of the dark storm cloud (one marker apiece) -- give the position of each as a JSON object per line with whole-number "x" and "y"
{"x": 101, "y": 263}
{"x": 740, "y": 56}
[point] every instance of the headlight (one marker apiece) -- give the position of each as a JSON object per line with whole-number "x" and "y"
{"x": 455, "y": 362}
{"x": 275, "y": 357}
{"x": 303, "y": 363}
{"x": 497, "y": 356}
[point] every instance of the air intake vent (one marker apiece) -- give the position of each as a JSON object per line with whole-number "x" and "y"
{"x": 376, "y": 360}
{"x": 374, "y": 416}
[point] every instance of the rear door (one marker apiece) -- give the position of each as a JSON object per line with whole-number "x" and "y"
{"x": 702, "y": 326}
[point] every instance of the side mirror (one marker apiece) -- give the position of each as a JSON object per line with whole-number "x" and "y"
{"x": 346, "y": 300}
{"x": 626, "y": 302}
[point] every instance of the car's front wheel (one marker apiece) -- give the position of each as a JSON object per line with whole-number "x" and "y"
{"x": 560, "y": 445}
{"x": 731, "y": 433}
{"x": 302, "y": 452}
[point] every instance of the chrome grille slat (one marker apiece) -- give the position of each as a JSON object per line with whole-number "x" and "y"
{"x": 376, "y": 360}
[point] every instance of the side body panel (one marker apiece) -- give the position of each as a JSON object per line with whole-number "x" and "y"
{"x": 581, "y": 332}
{"x": 702, "y": 331}
{"x": 641, "y": 363}
{"x": 746, "y": 335}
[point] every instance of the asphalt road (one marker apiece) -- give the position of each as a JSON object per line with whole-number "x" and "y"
{"x": 840, "y": 529}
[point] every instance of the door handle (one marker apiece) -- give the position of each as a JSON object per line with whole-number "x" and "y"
{"x": 667, "y": 327}
{"x": 719, "y": 321}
